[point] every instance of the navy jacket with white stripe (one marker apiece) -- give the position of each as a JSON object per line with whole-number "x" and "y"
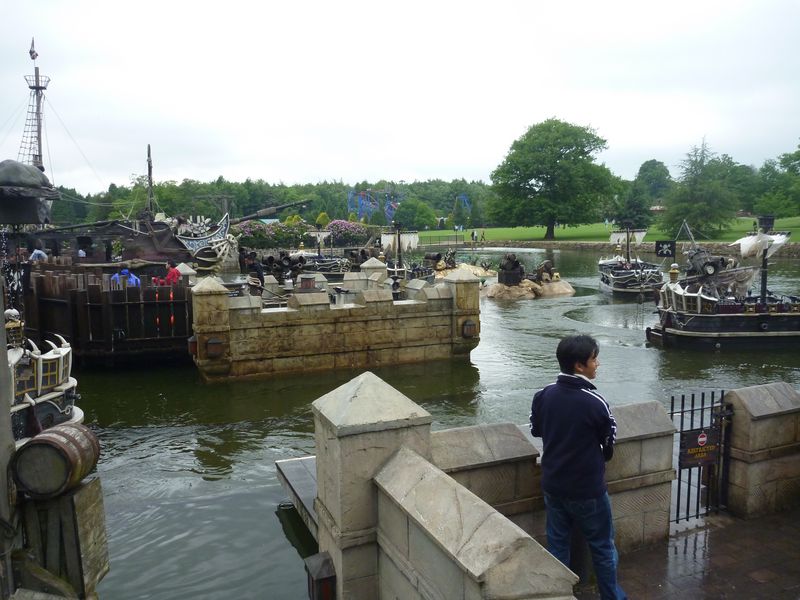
{"x": 578, "y": 431}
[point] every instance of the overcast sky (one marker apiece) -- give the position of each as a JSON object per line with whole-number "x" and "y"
{"x": 301, "y": 92}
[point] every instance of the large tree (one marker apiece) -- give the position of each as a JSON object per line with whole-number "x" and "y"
{"x": 414, "y": 214}
{"x": 781, "y": 186}
{"x": 549, "y": 176}
{"x": 654, "y": 176}
{"x": 704, "y": 197}
{"x": 632, "y": 207}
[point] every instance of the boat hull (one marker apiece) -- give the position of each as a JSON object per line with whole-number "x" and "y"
{"x": 717, "y": 331}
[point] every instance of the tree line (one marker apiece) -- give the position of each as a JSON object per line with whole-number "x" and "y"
{"x": 549, "y": 176}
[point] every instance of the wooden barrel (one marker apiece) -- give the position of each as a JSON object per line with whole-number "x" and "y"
{"x": 55, "y": 460}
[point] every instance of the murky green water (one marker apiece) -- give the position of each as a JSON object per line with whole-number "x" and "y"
{"x": 188, "y": 472}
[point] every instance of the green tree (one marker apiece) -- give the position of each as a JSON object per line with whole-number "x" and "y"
{"x": 632, "y": 206}
{"x": 780, "y": 185}
{"x": 415, "y": 214}
{"x": 323, "y": 219}
{"x": 550, "y": 176}
{"x": 654, "y": 179}
{"x": 459, "y": 214}
{"x": 702, "y": 197}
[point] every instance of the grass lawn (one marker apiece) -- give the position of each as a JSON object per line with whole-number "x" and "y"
{"x": 597, "y": 232}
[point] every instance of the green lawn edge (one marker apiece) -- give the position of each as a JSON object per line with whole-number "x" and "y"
{"x": 599, "y": 232}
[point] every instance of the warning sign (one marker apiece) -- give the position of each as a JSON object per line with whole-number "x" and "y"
{"x": 698, "y": 447}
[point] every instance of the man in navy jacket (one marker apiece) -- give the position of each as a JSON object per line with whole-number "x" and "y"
{"x": 578, "y": 432}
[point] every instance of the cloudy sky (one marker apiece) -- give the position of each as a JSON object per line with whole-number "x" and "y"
{"x": 301, "y": 92}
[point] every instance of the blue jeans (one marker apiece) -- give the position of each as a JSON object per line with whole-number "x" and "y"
{"x": 593, "y": 518}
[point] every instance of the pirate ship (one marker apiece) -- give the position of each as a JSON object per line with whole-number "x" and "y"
{"x": 714, "y": 305}
{"x": 625, "y": 275}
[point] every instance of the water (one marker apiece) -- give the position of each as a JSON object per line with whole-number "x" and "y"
{"x": 188, "y": 473}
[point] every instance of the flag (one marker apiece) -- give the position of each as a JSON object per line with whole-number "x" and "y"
{"x": 32, "y": 51}
{"x": 665, "y": 248}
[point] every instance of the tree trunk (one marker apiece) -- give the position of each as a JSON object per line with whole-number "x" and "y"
{"x": 550, "y": 232}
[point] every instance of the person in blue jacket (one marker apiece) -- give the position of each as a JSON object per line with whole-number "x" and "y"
{"x": 125, "y": 275}
{"x": 578, "y": 433}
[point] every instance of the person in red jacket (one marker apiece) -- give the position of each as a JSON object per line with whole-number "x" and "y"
{"x": 173, "y": 275}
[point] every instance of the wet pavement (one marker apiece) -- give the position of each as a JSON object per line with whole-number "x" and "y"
{"x": 726, "y": 558}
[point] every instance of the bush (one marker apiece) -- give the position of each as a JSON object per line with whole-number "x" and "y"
{"x": 255, "y": 234}
{"x": 346, "y": 233}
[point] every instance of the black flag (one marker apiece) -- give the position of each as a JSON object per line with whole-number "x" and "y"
{"x": 32, "y": 51}
{"x": 665, "y": 248}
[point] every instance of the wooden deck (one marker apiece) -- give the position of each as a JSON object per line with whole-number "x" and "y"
{"x": 298, "y": 477}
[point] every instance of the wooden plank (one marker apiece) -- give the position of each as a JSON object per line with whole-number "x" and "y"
{"x": 33, "y": 531}
{"x": 95, "y": 306}
{"x": 134, "y": 303}
{"x": 90, "y": 529}
{"x": 150, "y": 312}
{"x": 52, "y": 554}
{"x": 108, "y": 321}
{"x": 23, "y": 594}
{"x": 81, "y": 322}
{"x": 71, "y": 568}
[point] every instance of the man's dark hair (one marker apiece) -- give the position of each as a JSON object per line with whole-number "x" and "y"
{"x": 575, "y": 349}
{"x": 171, "y": 263}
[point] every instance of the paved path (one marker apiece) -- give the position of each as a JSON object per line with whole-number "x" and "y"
{"x": 727, "y": 559}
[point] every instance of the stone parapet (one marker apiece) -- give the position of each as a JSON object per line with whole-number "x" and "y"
{"x": 439, "y": 540}
{"x": 497, "y": 463}
{"x": 764, "y": 469}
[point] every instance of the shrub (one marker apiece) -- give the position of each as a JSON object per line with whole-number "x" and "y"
{"x": 346, "y": 233}
{"x": 255, "y": 234}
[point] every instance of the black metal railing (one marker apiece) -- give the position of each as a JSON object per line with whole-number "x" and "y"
{"x": 703, "y": 421}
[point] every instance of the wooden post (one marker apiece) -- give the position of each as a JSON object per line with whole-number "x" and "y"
{"x": 67, "y": 536}
{"x": 6, "y": 452}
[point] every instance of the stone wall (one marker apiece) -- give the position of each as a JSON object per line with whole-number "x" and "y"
{"x": 764, "y": 471}
{"x": 640, "y": 474}
{"x": 409, "y": 513}
{"x": 499, "y": 463}
{"x": 396, "y": 526}
{"x": 369, "y": 330}
{"x": 436, "y": 539}
{"x": 495, "y": 462}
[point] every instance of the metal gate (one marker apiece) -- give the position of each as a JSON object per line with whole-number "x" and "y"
{"x": 703, "y": 421}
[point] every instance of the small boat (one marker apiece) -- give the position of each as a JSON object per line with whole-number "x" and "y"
{"x": 715, "y": 307}
{"x": 625, "y": 276}
{"x": 44, "y": 389}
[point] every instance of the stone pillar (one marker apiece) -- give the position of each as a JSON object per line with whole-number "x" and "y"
{"x": 357, "y": 428}
{"x": 466, "y": 310}
{"x": 374, "y": 266}
{"x": 764, "y": 475}
{"x": 211, "y": 325}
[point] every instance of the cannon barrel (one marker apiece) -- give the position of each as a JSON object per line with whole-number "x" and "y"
{"x": 267, "y": 212}
{"x": 434, "y": 256}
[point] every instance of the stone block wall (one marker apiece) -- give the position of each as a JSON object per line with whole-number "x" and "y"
{"x": 495, "y": 462}
{"x": 309, "y": 334}
{"x": 764, "y": 470}
{"x": 436, "y": 539}
{"x": 499, "y": 464}
{"x": 640, "y": 474}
